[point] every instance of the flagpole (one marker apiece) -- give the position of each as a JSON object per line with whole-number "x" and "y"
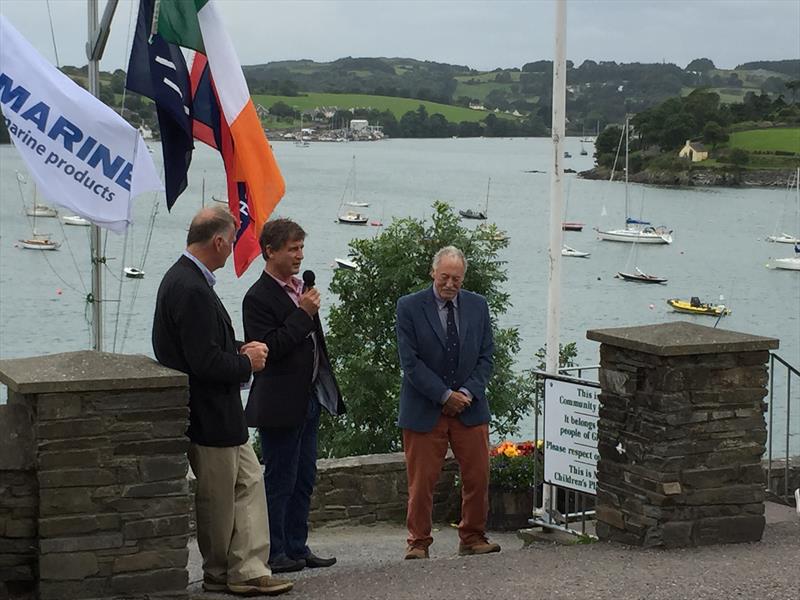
{"x": 556, "y": 210}
{"x": 97, "y": 38}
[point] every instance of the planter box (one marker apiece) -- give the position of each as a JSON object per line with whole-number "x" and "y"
{"x": 509, "y": 510}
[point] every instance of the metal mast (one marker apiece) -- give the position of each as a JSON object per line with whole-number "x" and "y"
{"x": 95, "y": 46}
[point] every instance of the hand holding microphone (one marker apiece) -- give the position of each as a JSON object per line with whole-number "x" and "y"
{"x": 310, "y": 299}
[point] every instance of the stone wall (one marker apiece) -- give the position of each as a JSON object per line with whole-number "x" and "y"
{"x": 360, "y": 490}
{"x": 19, "y": 500}
{"x": 681, "y": 435}
{"x": 105, "y": 514}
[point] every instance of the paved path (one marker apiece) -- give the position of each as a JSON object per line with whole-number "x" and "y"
{"x": 370, "y": 568}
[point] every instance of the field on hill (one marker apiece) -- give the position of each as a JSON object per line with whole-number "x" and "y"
{"x": 398, "y": 106}
{"x": 785, "y": 139}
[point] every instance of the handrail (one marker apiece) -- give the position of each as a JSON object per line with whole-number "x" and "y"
{"x": 790, "y": 371}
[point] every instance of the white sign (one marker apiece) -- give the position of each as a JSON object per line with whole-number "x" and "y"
{"x": 570, "y": 429}
{"x": 82, "y": 154}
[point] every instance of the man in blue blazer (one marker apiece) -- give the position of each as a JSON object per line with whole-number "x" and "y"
{"x": 444, "y": 336}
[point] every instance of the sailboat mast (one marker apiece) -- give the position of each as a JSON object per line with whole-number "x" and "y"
{"x": 626, "y": 171}
{"x": 486, "y": 208}
{"x": 97, "y": 38}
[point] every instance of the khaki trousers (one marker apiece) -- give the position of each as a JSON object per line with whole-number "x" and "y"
{"x": 232, "y": 529}
{"x": 425, "y": 454}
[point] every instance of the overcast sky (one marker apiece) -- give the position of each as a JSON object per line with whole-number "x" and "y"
{"x": 481, "y": 34}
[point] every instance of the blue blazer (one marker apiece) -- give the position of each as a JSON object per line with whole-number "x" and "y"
{"x": 421, "y": 344}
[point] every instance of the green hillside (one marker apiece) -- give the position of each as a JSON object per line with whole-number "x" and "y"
{"x": 398, "y": 106}
{"x": 767, "y": 140}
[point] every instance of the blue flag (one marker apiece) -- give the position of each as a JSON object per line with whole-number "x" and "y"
{"x": 157, "y": 70}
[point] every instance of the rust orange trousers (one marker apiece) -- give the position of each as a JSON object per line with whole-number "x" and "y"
{"x": 425, "y": 453}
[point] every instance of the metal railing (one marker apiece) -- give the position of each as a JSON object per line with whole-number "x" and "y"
{"x": 781, "y": 486}
{"x": 566, "y": 507}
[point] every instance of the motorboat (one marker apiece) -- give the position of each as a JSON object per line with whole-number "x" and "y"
{"x": 694, "y": 306}
{"x": 571, "y": 226}
{"x": 346, "y": 263}
{"x": 641, "y": 277}
{"x": 75, "y": 220}
{"x": 133, "y": 273}
{"x": 353, "y": 218}
{"x": 568, "y": 251}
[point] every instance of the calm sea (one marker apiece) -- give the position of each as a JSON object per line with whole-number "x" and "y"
{"x": 719, "y": 247}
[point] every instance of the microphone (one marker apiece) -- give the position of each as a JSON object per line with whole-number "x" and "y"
{"x": 308, "y": 280}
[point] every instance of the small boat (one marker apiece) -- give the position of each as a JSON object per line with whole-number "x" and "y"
{"x": 40, "y": 241}
{"x": 75, "y": 220}
{"x": 789, "y": 264}
{"x": 133, "y": 273}
{"x": 357, "y": 204}
{"x": 376, "y": 223}
{"x": 567, "y": 154}
{"x": 472, "y": 214}
{"x": 346, "y": 263}
{"x": 353, "y": 218}
{"x": 478, "y": 214}
{"x": 567, "y": 251}
{"x": 571, "y": 226}
{"x": 695, "y": 307}
{"x": 641, "y": 277}
{"x": 784, "y": 238}
{"x": 40, "y": 210}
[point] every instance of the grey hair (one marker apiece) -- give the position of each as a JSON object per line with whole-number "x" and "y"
{"x": 449, "y": 251}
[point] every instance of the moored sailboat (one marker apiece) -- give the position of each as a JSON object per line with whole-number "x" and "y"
{"x": 635, "y": 230}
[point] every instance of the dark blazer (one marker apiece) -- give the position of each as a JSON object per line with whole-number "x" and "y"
{"x": 279, "y": 394}
{"x": 421, "y": 343}
{"x": 192, "y": 333}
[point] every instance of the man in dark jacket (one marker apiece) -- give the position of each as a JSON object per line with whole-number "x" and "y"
{"x": 192, "y": 333}
{"x": 286, "y": 396}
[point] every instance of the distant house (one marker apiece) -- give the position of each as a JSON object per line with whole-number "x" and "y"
{"x": 475, "y": 105}
{"x": 694, "y": 151}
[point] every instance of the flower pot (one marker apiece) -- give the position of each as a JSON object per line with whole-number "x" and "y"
{"x": 509, "y": 509}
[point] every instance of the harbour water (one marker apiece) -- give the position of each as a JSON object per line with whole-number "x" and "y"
{"x": 718, "y": 248}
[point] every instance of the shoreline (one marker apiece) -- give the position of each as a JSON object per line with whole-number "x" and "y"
{"x": 700, "y": 177}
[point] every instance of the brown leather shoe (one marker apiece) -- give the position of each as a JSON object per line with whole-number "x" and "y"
{"x": 414, "y": 553}
{"x": 265, "y": 585}
{"x": 482, "y": 546}
{"x": 212, "y": 584}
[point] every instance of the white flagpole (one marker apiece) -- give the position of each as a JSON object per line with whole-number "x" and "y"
{"x": 556, "y": 207}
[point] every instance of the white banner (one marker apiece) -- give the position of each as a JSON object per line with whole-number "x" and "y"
{"x": 82, "y": 155}
{"x": 570, "y": 425}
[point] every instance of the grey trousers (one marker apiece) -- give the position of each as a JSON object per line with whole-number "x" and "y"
{"x": 232, "y": 527}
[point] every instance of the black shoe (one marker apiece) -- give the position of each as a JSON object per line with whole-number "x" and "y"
{"x": 315, "y": 562}
{"x": 284, "y": 564}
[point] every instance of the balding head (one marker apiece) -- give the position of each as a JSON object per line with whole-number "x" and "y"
{"x": 207, "y": 223}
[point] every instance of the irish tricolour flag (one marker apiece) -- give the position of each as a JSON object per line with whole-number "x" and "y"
{"x": 255, "y": 184}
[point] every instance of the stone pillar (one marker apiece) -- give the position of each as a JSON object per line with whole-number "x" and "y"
{"x": 681, "y": 435}
{"x": 111, "y": 500}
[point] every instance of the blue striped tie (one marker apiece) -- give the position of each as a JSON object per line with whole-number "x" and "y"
{"x": 451, "y": 346}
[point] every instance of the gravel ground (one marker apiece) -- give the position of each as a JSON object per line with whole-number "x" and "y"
{"x": 370, "y": 567}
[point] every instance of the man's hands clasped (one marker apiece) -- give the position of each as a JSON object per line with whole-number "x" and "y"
{"x": 456, "y": 404}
